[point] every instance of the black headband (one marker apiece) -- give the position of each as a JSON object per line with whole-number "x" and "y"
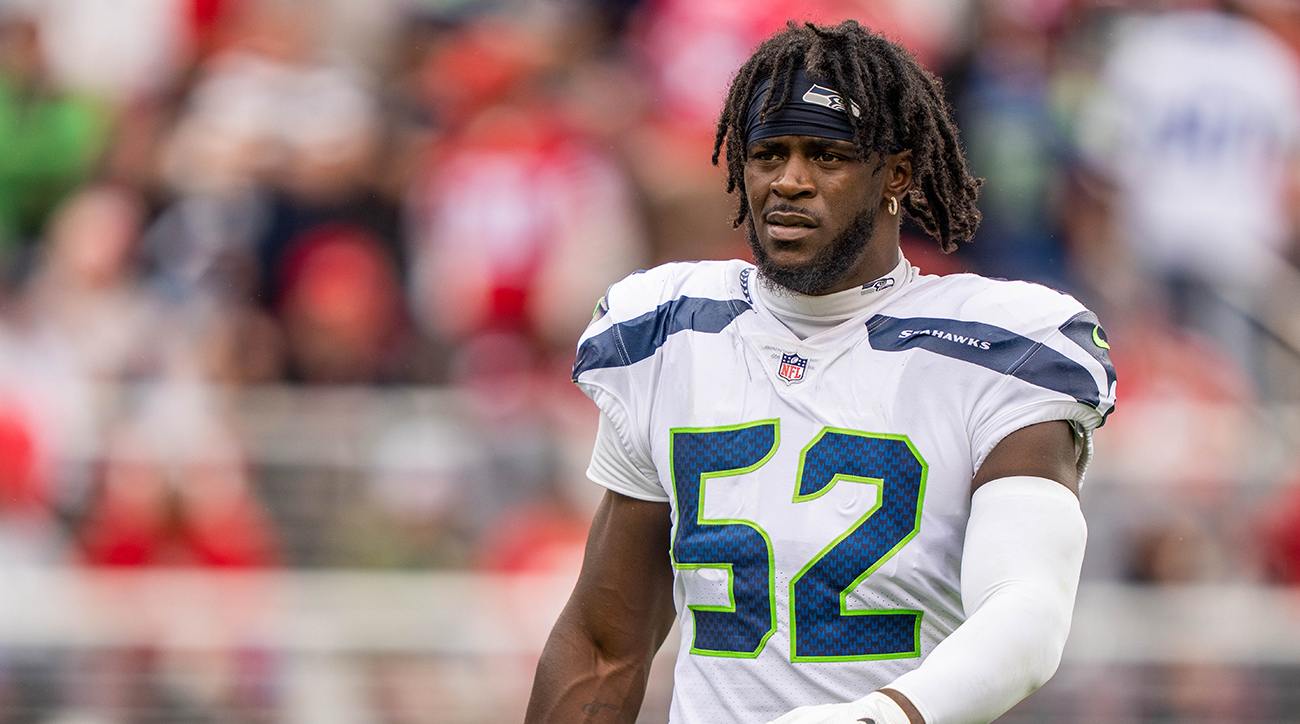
{"x": 812, "y": 110}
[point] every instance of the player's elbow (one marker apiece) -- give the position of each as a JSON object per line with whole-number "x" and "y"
{"x": 1042, "y": 634}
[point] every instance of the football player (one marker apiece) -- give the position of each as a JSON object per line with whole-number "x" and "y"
{"x": 852, "y": 485}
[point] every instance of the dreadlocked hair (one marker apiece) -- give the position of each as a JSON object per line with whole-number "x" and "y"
{"x": 902, "y": 107}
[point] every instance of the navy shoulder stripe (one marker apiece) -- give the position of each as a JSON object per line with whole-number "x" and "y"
{"x": 988, "y": 346}
{"x": 1085, "y": 330}
{"x": 629, "y": 342}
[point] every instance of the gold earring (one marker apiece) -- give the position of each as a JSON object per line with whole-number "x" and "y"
{"x": 893, "y": 205}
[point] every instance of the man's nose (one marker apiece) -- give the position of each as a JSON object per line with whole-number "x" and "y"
{"x": 794, "y": 179}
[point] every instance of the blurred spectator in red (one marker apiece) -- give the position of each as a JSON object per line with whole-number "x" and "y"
{"x": 340, "y": 303}
{"x": 28, "y": 529}
{"x": 1280, "y": 535}
{"x": 50, "y": 140}
{"x": 208, "y": 21}
{"x": 176, "y": 490}
{"x": 520, "y": 222}
{"x": 23, "y": 485}
{"x": 47, "y": 425}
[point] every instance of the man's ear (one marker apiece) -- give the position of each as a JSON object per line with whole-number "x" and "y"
{"x": 898, "y": 173}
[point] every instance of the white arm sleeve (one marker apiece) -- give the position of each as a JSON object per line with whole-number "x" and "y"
{"x": 1019, "y": 574}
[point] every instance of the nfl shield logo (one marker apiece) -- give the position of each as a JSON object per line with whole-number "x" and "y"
{"x": 792, "y": 367}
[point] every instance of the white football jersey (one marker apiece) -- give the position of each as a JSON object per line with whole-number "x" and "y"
{"x": 820, "y": 487}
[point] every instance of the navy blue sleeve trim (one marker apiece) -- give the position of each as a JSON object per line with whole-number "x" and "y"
{"x": 1085, "y": 330}
{"x": 629, "y": 342}
{"x": 991, "y": 347}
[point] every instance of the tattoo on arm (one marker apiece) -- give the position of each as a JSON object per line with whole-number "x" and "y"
{"x": 594, "y": 707}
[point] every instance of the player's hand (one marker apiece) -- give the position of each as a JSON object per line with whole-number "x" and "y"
{"x": 875, "y": 708}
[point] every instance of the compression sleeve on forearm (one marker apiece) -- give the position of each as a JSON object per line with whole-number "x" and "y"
{"x": 1019, "y": 574}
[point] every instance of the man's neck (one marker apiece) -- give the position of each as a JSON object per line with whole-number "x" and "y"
{"x": 806, "y": 315}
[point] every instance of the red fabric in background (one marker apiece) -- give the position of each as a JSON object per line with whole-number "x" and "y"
{"x": 239, "y": 537}
{"x": 21, "y": 486}
{"x": 207, "y": 20}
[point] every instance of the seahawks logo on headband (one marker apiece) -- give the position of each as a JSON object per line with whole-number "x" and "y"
{"x": 829, "y": 98}
{"x": 822, "y": 113}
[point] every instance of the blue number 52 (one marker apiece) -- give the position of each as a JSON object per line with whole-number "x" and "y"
{"x": 822, "y": 626}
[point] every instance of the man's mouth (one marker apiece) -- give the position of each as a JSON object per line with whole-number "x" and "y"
{"x": 789, "y": 218}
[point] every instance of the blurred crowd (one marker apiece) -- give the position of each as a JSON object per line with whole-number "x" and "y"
{"x": 202, "y": 201}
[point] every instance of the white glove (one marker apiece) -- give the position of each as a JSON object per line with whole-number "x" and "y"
{"x": 874, "y": 708}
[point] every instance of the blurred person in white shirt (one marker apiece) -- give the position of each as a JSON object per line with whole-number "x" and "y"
{"x": 1197, "y": 125}
{"x": 87, "y": 287}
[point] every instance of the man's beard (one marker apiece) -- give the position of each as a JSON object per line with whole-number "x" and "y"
{"x": 825, "y": 269}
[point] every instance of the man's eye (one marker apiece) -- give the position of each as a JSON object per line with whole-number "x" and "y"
{"x": 829, "y": 157}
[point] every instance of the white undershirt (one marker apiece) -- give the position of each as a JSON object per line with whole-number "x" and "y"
{"x": 807, "y": 315}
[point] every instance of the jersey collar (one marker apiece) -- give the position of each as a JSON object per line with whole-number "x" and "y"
{"x": 806, "y": 315}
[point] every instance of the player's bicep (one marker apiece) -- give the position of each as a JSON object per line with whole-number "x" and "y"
{"x": 624, "y": 596}
{"x": 1044, "y": 450}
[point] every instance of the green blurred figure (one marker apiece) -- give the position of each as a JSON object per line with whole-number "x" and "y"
{"x": 50, "y": 141}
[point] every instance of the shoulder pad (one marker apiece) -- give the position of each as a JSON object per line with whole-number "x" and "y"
{"x": 638, "y": 314}
{"x": 1028, "y": 331}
